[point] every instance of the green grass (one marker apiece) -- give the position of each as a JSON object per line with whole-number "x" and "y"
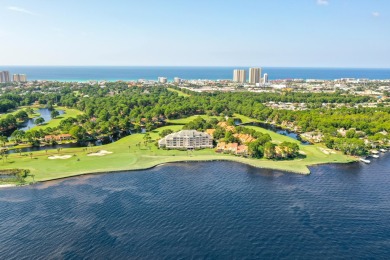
{"x": 2, "y": 116}
{"x": 68, "y": 112}
{"x": 127, "y": 156}
{"x": 313, "y": 153}
{"x": 183, "y": 121}
{"x": 180, "y": 93}
{"x": 245, "y": 119}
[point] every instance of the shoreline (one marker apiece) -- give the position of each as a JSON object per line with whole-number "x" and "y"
{"x": 173, "y": 162}
{"x": 134, "y": 72}
{"x": 121, "y": 158}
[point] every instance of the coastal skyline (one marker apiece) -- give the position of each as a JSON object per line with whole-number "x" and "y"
{"x": 310, "y": 33}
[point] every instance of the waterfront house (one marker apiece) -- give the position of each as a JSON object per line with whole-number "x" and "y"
{"x": 227, "y": 127}
{"x": 232, "y": 148}
{"x": 221, "y": 146}
{"x": 245, "y": 138}
{"x": 58, "y": 138}
{"x": 210, "y": 131}
{"x": 242, "y": 150}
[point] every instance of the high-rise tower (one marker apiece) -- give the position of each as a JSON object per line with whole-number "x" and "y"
{"x": 254, "y": 75}
{"x": 239, "y": 76}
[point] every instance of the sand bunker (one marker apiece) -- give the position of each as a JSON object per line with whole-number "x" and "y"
{"x": 327, "y": 151}
{"x": 99, "y": 153}
{"x": 62, "y": 157}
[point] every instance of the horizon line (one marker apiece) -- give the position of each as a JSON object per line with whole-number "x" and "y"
{"x": 200, "y": 66}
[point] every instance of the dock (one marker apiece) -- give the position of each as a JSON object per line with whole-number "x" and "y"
{"x": 365, "y": 160}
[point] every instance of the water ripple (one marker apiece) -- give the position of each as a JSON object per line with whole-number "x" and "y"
{"x": 216, "y": 210}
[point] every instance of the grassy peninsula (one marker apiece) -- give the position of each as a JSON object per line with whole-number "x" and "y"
{"x": 127, "y": 154}
{"x": 341, "y": 129}
{"x": 68, "y": 112}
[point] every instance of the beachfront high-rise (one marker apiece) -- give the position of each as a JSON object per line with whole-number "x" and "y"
{"x": 265, "y": 78}
{"x": 239, "y": 76}
{"x": 19, "y": 78}
{"x": 162, "y": 80}
{"x": 254, "y": 75}
{"x": 4, "y": 76}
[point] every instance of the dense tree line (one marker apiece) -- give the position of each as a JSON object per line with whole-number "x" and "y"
{"x": 116, "y": 107}
{"x": 262, "y": 147}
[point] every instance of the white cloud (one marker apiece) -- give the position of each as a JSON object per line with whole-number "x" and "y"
{"x": 20, "y": 10}
{"x": 322, "y": 2}
{"x": 376, "y": 14}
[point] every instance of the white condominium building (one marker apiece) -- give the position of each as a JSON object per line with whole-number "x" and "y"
{"x": 265, "y": 79}
{"x": 188, "y": 139}
{"x": 239, "y": 76}
{"x": 4, "y": 76}
{"x": 162, "y": 80}
{"x": 20, "y": 78}
{"x": 254, "y": 75}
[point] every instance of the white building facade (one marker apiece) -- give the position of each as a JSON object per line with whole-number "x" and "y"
{"x": 239, "y": 76}
{"x": 186, "y": 139}
{"x": 254, "y": 75}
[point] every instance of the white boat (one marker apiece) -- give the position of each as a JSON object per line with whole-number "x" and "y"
{"x": 383, "y": 150}
{"x": 375, "y": 156}
{"x": 374, "y": 152}
{"x": 364, "y": 160}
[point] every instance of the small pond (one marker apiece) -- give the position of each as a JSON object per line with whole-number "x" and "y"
{"x": 278, "y": 130}
{"x": 44, "y": 113}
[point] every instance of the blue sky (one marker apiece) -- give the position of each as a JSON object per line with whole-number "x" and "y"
{"x": 280, "y": 33}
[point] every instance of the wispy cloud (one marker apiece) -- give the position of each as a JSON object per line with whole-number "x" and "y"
{"x": 376, "y": 14}
{"x": 322, "y": 2}
{"x": 20, "y": 10}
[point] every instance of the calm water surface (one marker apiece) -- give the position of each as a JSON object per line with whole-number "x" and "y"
{"x": 74, "y": 73}
{"x": 209, "y": 210}
{"x": 44, "y": 113}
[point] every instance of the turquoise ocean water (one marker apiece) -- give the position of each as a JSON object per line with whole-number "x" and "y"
{"x": 213, "y": 73}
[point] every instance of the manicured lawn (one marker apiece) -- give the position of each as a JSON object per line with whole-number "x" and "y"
{"x": 180, "y": 93}
{"x": 2, "y": 116}
{"x": 126, "y": 155}
{"x": 313, "y": 153}
{"x": 183, "y": 121}
{"x": 245, "y": 119}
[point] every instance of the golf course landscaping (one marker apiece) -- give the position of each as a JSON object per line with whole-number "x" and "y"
{"x": 54, "y": 122}
{"x": 137, "y": 152}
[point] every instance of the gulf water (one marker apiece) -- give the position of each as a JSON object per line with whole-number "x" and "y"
{"x": 212, "y": 210}
{"x": 213, "y": 73}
